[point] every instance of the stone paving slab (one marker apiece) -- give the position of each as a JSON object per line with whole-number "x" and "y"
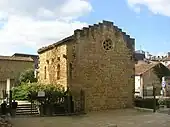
{"x": 121, "y": 118}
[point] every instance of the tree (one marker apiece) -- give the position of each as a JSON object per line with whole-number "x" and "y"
{"x": 27, "y": 76}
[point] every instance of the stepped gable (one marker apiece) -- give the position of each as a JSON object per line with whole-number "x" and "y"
{"x": 90, "y": 31}
{"x": 130, "y": 42}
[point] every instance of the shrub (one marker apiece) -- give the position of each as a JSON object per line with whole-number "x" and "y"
{"x": 29, "y": 91}
{"x": 20, "y": 92}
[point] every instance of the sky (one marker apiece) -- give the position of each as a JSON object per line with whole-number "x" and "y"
{"x": 27, "y": 25}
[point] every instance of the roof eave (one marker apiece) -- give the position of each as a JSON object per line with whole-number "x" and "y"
{"x": 43, "y": 49}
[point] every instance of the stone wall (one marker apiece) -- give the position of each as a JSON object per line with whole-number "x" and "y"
{"x": 107, "y": 77}
{"x": 52, "y": 59}
{"x": 99, "y": 60}
{"x": 13, "y": 68}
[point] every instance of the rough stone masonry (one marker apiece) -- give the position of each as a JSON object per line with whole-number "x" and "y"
{"x": 98, "y": 59}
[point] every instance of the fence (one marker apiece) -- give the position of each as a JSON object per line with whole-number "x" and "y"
{"x": 149, "y": 99}
{"x": 66, "y": 104}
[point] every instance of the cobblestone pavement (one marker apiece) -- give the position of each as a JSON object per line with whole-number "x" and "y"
{"x": 123, "y": 118}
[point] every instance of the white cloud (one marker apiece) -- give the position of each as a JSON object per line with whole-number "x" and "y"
{"x": 137, "y": 9}
{"x": 35, "y": 23}
{"x": 161, "y": 7}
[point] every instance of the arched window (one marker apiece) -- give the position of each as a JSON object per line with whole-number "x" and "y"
{"x": 58, "y": 71}
{"x": 45, "y": 72}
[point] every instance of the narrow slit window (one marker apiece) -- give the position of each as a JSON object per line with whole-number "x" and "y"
{"x": 71, "y": 67}
{"x": 45, "y": 72}
{"x": 58, "y": 71}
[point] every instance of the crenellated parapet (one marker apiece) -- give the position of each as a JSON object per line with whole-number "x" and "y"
{"x": 100, "y": 27}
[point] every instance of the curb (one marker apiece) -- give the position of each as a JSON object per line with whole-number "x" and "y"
{"x": 143, "y": 109}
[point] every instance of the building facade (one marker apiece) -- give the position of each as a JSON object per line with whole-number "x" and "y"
{"x": 34, "y": 57}
{"x": 10, "y": 70}
{"x": 146, "y": 78}
{"x": 98, "y": 59}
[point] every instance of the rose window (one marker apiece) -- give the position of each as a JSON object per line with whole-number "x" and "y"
{"x": 108, "y": 44}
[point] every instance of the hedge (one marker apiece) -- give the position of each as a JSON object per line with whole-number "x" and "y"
{"x": 146, "y": 103}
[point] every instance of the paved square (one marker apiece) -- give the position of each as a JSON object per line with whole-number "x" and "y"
{"x": 123, "y": 118}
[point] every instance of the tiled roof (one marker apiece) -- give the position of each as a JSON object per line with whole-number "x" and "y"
{"x": 141, "y": 68}
{"x": 28, "y": 59}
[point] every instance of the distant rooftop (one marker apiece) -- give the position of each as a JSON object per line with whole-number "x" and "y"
{"x": 12, "y": 58}
{"x": 24, "y": 55}
{"x": 140, "y": 51}
{"x": 139, "y": 56}
{"x": 142, "y": 67}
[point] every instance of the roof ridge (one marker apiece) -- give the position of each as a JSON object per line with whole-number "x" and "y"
{"x": 146, "y": 67}
{"x": 14, "y": 58}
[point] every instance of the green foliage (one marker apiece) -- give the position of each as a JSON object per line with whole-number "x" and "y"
{"x": 20, "y": 92}
{"x": 27, "y": 76}
{"x": 29, "y": 91}
{"x": 161, "y": 71}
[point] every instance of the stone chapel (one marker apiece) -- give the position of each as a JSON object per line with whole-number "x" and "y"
{"x": 98, "y": 59}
